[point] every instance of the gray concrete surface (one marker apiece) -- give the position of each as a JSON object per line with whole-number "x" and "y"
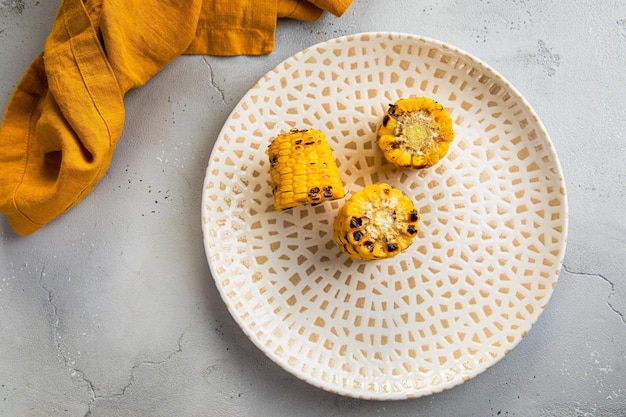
{"x": 111, "y": 310}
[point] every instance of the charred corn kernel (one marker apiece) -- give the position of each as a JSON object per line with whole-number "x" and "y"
{"x": 376, "y": 222}
{"x": 415, "y": 133}
{"x": 303, "y": 169}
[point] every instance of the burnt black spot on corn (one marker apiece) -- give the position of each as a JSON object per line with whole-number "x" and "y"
{"x": 376, "y": 222}
{"x": 415, "y": 133}
{"x": 303, "y": 169}
{"x": 356, "y": 222}
{"x": 314, "y": 193}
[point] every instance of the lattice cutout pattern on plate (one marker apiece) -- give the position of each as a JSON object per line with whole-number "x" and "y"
{"x": 476, "y": 278}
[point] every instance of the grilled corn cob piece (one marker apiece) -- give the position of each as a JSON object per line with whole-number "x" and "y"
{"x": 376, "y": 222}
{"x": 303, "y": 169}
{"x": 415, "y": 133}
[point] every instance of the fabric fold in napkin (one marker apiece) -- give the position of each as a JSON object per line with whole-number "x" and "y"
{"x": 66, "y": 115}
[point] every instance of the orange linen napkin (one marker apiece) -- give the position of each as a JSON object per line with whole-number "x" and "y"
{"x": 65, "y": 116}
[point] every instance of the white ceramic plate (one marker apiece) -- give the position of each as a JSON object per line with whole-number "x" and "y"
{"x": 486, "y": 260}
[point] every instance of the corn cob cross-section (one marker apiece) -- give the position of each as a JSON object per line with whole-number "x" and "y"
{"x": 415, "y": 133}
{"x": 376, "y": 222}
{"x": 303, "y": 169}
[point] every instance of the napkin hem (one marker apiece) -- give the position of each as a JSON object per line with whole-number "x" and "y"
{"x": 26, "y": 99}
{"x": 227, "y": 42}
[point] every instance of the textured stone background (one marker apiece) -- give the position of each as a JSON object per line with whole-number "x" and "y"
{"x": 111, "y": 310}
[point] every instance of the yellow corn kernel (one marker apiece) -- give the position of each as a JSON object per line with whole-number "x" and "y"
{"x": 376, "y": 222}
{"x": 415, "y": 133}
{"x": 303, "y": 169}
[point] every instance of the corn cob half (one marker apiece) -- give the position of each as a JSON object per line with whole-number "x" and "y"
{"x": 415, "y": 133}
{"x": 303, "y": 169}
{"x": 376, "y": 222}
